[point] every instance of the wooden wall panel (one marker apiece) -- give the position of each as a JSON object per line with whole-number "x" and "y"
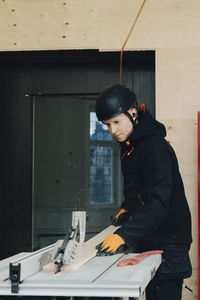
{"x": 178, "y": 83}
{"x": 93, "y": 24}
{"x": 162, "y": 24}
{"x": 45, "y": 24}
{"x": 177, "y": 103}
{"x": 182, "y": 135}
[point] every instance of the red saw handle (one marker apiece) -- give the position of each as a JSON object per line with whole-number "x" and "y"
{"x": 131, "y": 261}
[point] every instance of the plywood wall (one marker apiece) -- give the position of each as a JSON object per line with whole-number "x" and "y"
{"x": 177, "y": 80}
{"x": 48, "y": 24}
{"x": 169, "y": 27}
{"x": 94, "y": 24}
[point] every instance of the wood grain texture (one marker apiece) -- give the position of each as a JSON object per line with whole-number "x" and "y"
{"x": 162, "y": 24}
{"x": 48, "y": 24}
{"x": 89, "y": 251}
{"x": 177, "y": 84}
{"x": 177, "y": 103}
{"x": 181, "y": 134}
{"x": 93, "y": 24}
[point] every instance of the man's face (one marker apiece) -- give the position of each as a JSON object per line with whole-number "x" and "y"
{"x": 120, "y": 126}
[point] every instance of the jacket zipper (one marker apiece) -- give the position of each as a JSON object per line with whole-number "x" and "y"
{"x": 140, "y": 199}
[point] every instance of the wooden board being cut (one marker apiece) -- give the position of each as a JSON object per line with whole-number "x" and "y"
{"x": 89, "y": 251}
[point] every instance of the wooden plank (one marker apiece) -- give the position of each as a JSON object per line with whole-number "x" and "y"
{"x": 85, "y": 274}
{"x": 89, "y": 251}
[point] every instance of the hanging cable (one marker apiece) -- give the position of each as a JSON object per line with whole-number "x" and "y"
{"x": 121, "y": 54}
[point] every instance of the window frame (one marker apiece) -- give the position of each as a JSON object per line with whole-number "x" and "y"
{"x": 116, "y": 173}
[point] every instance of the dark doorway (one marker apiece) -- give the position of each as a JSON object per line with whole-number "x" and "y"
{"x": 52, "y": 73}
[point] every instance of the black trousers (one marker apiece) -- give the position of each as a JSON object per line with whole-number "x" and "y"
{"x": 170, "y": 289}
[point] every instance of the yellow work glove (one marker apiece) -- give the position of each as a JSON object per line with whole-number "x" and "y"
{"x": 111, "y": 245}
{"x": 121, "y": 217}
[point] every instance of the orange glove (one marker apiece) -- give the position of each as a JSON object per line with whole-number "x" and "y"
{"x": 111, "y": 245}
{"x": 121, "y": 217}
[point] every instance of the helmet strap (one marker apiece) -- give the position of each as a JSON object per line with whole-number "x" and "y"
{"x": 131, "y": 118}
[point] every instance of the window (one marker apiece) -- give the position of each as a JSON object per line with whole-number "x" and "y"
{"x": 101, "y": 163}
{"x": 98, "y": 131}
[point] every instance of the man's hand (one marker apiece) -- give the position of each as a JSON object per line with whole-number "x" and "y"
{"x": 111, "y": 245}
{"x": 121, "y": 217}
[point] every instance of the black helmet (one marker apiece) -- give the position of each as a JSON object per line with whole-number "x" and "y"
{"x": 115, "y": 100}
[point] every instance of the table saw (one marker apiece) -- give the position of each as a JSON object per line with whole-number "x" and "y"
{"x": 100, "y": 276}
{"x": 44, "y": 273}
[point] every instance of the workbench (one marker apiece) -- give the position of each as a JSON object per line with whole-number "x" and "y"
{"x": 99, "y": 277}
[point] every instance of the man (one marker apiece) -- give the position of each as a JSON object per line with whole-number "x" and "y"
{"x": 155, "y": 213}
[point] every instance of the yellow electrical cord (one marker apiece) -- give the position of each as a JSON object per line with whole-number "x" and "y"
{"x": 121, "y": 55}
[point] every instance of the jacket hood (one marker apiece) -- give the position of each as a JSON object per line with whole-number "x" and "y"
{"x": 147, "y": 125}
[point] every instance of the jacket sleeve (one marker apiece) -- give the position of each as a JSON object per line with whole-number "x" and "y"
{"x": 155, "y": 168}
{"x": 125, "y": 205}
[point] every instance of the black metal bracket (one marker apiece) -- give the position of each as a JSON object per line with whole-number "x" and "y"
{"x": 14, "y": 276}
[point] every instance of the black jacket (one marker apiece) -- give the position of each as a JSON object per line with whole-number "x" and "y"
{"x": 153, "y": 188}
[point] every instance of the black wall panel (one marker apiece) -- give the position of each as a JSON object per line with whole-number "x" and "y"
{"x": 47, "y": 72}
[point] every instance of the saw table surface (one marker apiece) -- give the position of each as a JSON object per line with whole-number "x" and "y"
{"x": 98, "y": 277}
